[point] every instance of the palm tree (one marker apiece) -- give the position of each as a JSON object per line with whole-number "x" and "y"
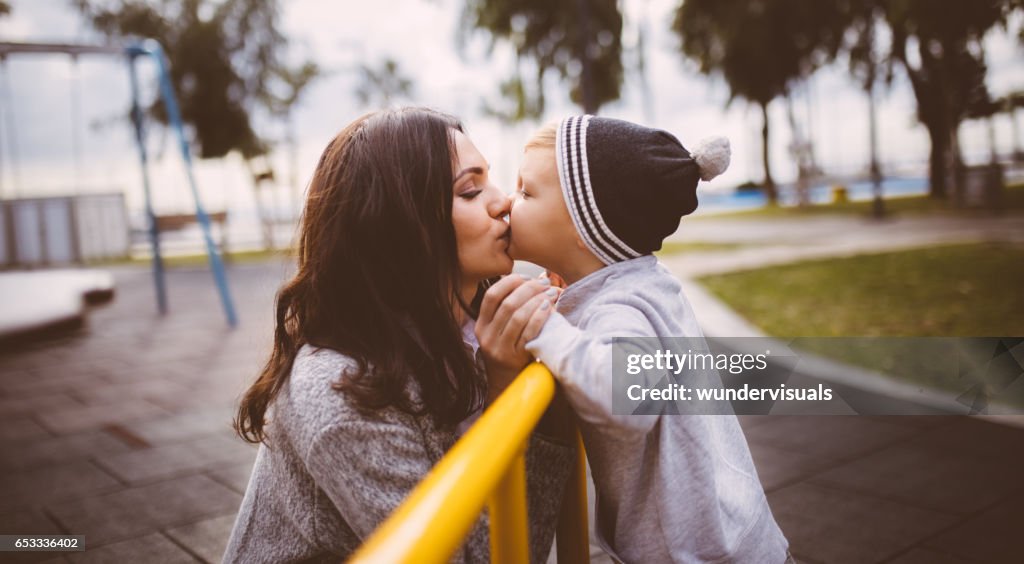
{"x": 949, "y": 71}
{"x": 517, "y": 102}
{"x": 578, "y": 39}
{"x": 868, "y": 67}
{"x": 760, "y": 48}
{"x": 296, "y": 83}
{"x": 381, "y": 84}
{"x": 225, "y": 60}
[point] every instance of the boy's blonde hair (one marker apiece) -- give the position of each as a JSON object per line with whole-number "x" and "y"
{"x": 544, "y": 138}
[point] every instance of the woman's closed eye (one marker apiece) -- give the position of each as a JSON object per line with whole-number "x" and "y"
{"x": 471, "y": 189}
{"x": 470, "y": 192}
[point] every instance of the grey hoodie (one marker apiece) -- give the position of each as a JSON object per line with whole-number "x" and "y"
{"x": 670, "y": 488}
{"x": 333, "y": 474}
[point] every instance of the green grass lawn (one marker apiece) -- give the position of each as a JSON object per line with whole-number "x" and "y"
{"x": 1013, "y": 202}
{"x": 953, "y": 291}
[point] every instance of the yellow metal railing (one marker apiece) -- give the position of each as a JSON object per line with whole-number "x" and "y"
{"x": 486, "y": 466}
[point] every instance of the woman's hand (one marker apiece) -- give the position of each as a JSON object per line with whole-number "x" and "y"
{"x": 512, "y": 313}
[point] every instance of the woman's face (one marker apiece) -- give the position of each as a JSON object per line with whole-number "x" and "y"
{"x": 478, "y": 215}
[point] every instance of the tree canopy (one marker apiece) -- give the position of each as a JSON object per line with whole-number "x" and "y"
{"x": 381, "y": 84}
{"x": 226, "y": 60}
{"x": 578, "y": 39}
{"x": 948, "y": 72}
{"x": 759, "y": 47}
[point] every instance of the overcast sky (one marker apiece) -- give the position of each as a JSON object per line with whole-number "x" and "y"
{"x": 36, "y": 94}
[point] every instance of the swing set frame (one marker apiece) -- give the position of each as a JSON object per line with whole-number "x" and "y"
{"x": 151, "y": 49}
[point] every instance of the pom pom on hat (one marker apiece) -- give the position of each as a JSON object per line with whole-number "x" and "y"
{"x": 712, "y": 156}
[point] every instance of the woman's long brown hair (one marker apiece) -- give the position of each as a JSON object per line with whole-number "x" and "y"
{"x": 377, "y": 274}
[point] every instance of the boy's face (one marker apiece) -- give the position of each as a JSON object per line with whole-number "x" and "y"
{"x": 542, "y": 231}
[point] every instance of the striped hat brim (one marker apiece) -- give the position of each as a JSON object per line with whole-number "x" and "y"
{"x": 574, "y": 177}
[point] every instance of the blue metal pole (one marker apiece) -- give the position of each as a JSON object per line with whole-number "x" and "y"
{"x": 153, "y": 49}
{"x": 154, "y": 233}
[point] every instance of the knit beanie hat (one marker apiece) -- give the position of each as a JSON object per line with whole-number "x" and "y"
{"x": 627, "y": 186}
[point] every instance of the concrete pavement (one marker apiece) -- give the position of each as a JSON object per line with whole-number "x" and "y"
{"x": 121, "y": 431}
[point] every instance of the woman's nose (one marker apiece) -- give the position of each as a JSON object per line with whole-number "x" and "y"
{"x": 501, "y": 205}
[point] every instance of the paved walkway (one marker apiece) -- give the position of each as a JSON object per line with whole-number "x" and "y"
{"x": 121, "y": 432}
{"x": 869, "y": 489}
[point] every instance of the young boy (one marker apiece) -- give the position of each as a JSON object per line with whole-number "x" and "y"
{"x": 596, "y": 197}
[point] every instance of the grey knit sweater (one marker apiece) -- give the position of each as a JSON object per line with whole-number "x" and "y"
{"x": 331, "y": 475}
{"x": 670, "y": 488}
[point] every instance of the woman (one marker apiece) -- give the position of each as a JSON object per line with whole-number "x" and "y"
{"x": 373, "y": 366}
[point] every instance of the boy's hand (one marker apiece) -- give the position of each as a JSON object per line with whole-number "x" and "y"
{"x": 556, "y": 280}
{"x": 512, "y": 313}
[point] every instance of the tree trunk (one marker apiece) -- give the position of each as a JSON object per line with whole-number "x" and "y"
{"x": 641, "y": 68}
{"x": 293, "y": 168}
{"x": 937, "y": 167}
{"x": 992, "y": 150}
{"x": 955, "y": 166}
{"x": 878, "y": 202}
{"x": 769, "y": 183}
{"x": 932, "y": 113}
{"x": 588, "y": 98}
{"x": 798, "y": 150}
{"x": 266, "y": 226}
{"x": 1018, "y": 152}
